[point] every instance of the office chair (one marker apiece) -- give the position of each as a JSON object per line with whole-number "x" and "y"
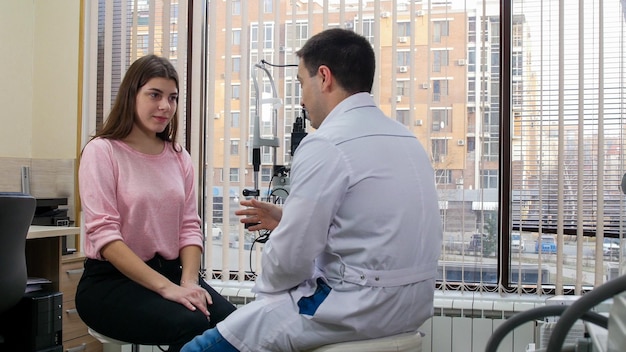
{"x": 16, "y": 215}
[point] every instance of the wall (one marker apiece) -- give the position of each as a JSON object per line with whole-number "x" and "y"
{"x": 16, "y": 71}
{"x": 39, "y": 96}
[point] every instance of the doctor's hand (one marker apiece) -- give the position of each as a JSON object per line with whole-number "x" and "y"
{"x": 264, "y": 215}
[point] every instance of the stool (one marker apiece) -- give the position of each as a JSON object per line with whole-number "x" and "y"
{"x": 105, "y": 339}
{"x": 406, "y": 342}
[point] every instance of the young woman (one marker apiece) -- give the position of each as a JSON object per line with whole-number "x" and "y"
{"x": 143, "y": 240}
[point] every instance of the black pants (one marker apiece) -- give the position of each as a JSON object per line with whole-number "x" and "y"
{"x": 115, "y": 306}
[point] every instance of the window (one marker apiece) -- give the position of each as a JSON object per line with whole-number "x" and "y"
{"x": 234, "y": 119}
{"x": 236, "y": 64}
{"x": 233, "y": 174}
{"x": 404, "y": 29}
{"x": 297, "y": 34}
{"x": 173, "y": 41}
{"x": 268, "y": 6}
{"x": 266, "y": 174}
{"x": 368, "y": 28}
{"x": 440, "y": 29}
{"x": 440, "y": 58}
{"x": 404, "y": 58}
{"x": 490, "y": 149}
{"x": 439, "y": 149}
{"x": 268, "y": 36}
{"x": 266, "y": 155}
{"x": 440, "y": 89}
{"x": 403, "y": 88}
{"x": 292, "y": 91}
{"x": 236, "y": 7}
{"x": 236, "y": 37}
{"x": 254, "y": 37}
{"x": 234, "y": 91}
{"x": 441, "y": 120}
{"x": 443, "y": 177}
{"x": 143, "y": 43}
{"x": 532, "y": 128}
{"x": 489, "y": 178}
{"x": 402, "y": 116}
{"x": 234, "y": 147}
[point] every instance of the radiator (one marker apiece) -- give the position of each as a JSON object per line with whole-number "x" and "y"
{"x": 462, "y": 322}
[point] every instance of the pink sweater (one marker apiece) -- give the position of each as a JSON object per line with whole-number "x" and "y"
{"x": 147, "y": 201}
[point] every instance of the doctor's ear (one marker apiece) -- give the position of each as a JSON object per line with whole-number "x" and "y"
{"x": 324, "y": 72}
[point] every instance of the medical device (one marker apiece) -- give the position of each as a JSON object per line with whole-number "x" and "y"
{"x": 268, "y": 103}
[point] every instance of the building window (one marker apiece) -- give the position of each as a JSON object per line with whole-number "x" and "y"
{"x": 236, "y": 7}
{"x": 440, "y": 29}
{"x": 443, "y": 177}
{"x": 402, "y": 116}
{"x": 439, "y": 149}
{"x": 292, "y": 90}
{"x": 236, "y": 37}
{"x": 441, "y": 120}
{"x": 143, "y": 43}
{"x": 403, "y": 58}
{"x": 404, "y": 29}
{"x": 266, "y": 174}
{"x": 266, "y": 155}
{"x": 440, "y": 58}
{"x": 489, "y": 178}
{"x": 490, "y": 149}
{"x": 234, "y": 147}
{"x": 368, "y": 29}
{"x": 234, "y": 174}
{"x": 173, "y": 42}
{"x": 268, "y": 6}
{"x": 234, "y": 119}
{"x": 269, "y": 36}
{"x": 440, "y": 89}
{"x": 234, "y": 91}
{"x": 402, "y": 88}
{"x": 236, "y": 64}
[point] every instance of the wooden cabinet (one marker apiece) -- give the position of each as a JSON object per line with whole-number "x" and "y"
{"x": 75, "y": 335}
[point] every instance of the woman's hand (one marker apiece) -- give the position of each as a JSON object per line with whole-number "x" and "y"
{"x": 189, "y": 294}
{"x": 264, "y": 215}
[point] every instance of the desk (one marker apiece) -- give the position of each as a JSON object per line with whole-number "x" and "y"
{"x": 44, "y": 259}
{"x": 43, "y": 252}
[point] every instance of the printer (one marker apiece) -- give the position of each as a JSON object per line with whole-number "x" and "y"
{"x": 51, "y": 212}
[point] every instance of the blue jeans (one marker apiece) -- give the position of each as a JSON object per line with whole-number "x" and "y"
{"x": 210, "y": 341}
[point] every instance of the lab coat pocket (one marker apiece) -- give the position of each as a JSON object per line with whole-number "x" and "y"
{"x": 308, "y": 305}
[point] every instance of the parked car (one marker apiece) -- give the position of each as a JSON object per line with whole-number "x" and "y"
{"x": 610, "y": 247}
{"x": 517, "y": 242}
{"x": 548, "y": 244}
{"x": 476, "y": 242}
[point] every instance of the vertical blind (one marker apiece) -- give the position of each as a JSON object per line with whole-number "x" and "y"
{"x": 568, "y": 119}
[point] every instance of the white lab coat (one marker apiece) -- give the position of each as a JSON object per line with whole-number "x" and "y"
{"x": 362, "y": 215}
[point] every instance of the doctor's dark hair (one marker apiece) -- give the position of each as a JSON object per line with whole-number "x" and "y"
{"x": 348, "y": 55}
{"x": 123, "y": 114}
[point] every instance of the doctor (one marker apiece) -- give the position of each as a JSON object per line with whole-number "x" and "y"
{"x": 353, "y": 252}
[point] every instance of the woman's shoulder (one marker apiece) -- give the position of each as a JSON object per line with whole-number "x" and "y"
{"x": 98, "y": 144}
{"x": 177, "y": 149}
